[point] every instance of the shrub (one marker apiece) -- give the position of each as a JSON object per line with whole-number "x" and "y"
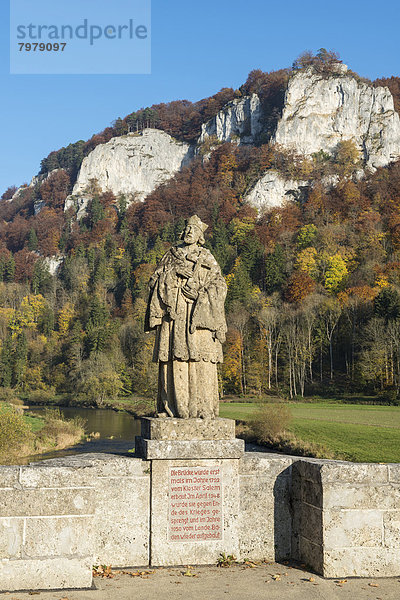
{"x": 8, "y": 395}
{"x": 58, "y": 432}
{"x": 389, "y": 397}
{"x": 42, "y": 396}
{"x": 270, "y": 421}
{"x": 14, "y": 430}
{"x": 287, "y": 443}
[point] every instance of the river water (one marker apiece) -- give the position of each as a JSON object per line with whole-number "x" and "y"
{"x": 116, "y": 432}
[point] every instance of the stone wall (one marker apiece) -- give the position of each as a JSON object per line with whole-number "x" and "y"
{"x": 265, "y": 508}
{"x": 59, "y": 517}
{"x": 347, "y": 518}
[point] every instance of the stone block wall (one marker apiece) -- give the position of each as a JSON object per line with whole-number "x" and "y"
{"x": 347, "y": 518}
{"x": 46, "y": 527}
{"x": 265, "y": 509}
{"x": 60, "y": 517}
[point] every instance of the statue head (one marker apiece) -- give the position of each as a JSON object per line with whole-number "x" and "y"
{"x": 194, "y": 231}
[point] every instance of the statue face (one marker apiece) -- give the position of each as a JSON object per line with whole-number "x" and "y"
{"x": 191, "y": 234}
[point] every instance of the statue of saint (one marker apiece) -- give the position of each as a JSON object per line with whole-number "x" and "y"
{"x": 186, "y": 308}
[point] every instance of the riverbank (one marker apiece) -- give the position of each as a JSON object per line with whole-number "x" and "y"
{"x": 137, "y": 406}
{"x": 24, "y": 435}
{"x": 354, "y": 428}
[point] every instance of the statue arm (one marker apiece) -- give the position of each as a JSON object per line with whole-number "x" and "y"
{"x": 155, "y": 309}
{"x": 208, "y": 312}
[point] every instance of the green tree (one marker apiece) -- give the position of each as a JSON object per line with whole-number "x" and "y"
{"x": 275, "y": 270}
{"x": 239, "y": 284}
{"x": 387, "y": 304}
{"x": 306, "y": 236}
{"x": 32, "y": 240}
{"x": 96, "y": 212}
{"x": 46, "y": 321}
{"x": 20, "y": 358}
{"x": 6, "y": 363}
{"x": 42, "y": 281}
{"x": 9, "y": 270}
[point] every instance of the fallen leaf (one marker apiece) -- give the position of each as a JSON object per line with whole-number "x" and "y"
{"x": 250, "y": 563}
{"x": 373, "y": 584}
{"x": 103, "y": 571}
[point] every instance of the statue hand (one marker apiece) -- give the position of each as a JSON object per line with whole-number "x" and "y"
{"x": 190, "y": 292}
{"x": 183, "y": 271}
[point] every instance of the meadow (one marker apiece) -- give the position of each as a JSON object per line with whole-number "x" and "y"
{"x": 356, "y": 432}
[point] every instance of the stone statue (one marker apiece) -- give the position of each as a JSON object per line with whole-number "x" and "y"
{"x": 186, "y": 308}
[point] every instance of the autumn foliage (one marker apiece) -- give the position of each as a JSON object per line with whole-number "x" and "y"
{"x": 313, "y": 285}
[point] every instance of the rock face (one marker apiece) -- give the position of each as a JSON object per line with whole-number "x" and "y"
{"x": 134, "y": 164}
{"x": 320, "y": 111}
{"x": 53, "y": 263}
{"x": 37, "y": 180}
{"x": 238, "y": 119}
{"x": 272, "y": 190}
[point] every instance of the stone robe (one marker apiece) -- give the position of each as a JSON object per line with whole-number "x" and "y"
{"x": 189, "y": 333}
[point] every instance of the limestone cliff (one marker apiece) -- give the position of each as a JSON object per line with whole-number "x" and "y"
{"x": 134, "y": 165}
{"x": 239, "y": 119}
{"x": 320, "y": 111}
{"x": 272, "y": 190}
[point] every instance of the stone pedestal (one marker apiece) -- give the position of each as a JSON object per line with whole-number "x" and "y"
{"x": 194, "y": 488}
{"x": 168, "y": 439}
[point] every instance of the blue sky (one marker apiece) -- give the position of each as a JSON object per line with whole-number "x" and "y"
{"x": 197, "y": 48}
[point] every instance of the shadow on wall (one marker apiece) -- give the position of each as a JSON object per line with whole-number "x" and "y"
{"x": 283, "y": 515}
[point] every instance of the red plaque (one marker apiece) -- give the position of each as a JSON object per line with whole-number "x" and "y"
{"x": 195, "y": 504}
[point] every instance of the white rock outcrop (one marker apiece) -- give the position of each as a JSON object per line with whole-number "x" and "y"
{"x": 53, "y": 263}
{"x": 36, "y": 180}
{"x": 133, "y": 164}
{"x": 272, "y": 190}
{"x": 320, "y": 111}
{"x": 239, "y": 119}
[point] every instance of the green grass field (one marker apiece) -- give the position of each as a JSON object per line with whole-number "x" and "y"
{"x": 361, "y": 433}
{"x": 35, "y": 423}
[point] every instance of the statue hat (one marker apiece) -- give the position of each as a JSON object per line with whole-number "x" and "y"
{"x": 195, "y": 221}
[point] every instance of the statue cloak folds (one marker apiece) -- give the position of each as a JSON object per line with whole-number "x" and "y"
{"x": 186, "y": 307}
